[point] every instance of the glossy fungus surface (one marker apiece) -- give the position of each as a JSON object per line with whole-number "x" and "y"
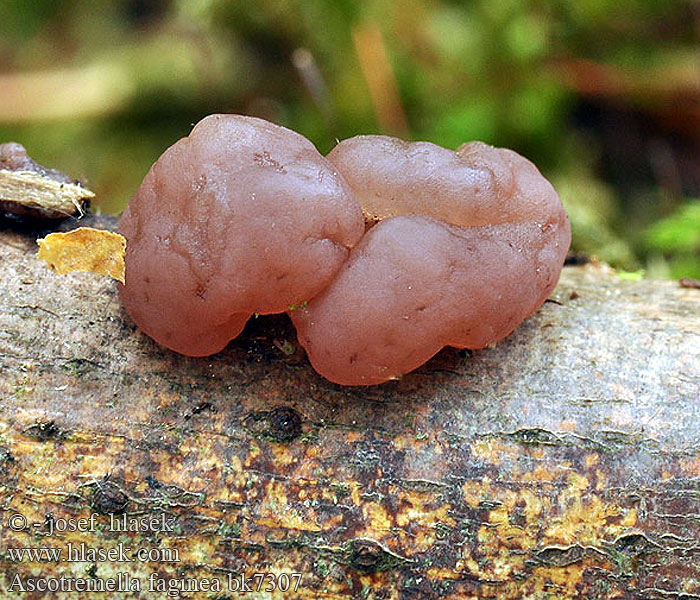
{"x": 240, "y": 217}
{"x": 244, "y": 217}
{"x": 468, "y": 244}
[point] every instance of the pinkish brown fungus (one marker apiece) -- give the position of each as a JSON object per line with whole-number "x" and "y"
{"x": 240, "y": 217}
{"x": 468, "y": 244}
{"x": 244, "y": 217}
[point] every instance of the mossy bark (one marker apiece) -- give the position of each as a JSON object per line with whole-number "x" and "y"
{"x": 562, "y": 463}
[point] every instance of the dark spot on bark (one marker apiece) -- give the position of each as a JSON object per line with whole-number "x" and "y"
{"x": 108, "y": 497}
{"x": 285, "y": 424}
{"x": 633, "y": 544}
{"x": 45, "y": 431}
{"x": 368, "y": 556}
{"x": 365, "y": 555}
{"x": 6, "y": 456}
{"x": 534, "y": 435}
{"x": 199, "y": 408}
{"x": 152, "y": 482}
{"x": 281, "y": 424}
{"x": 80, "y": 366}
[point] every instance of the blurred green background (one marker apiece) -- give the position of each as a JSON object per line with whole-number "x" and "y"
{"x": 603, "y": 95}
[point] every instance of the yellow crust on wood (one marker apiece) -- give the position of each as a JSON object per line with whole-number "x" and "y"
{"x": 85, "y": 249}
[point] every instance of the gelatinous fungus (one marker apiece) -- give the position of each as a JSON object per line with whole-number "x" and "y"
{"x": 245, "y": 217}
{"x": 468, "y": 244}
{"x": 240, "y": 217}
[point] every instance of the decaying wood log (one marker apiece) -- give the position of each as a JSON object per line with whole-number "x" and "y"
{"x": 562, "y": 463}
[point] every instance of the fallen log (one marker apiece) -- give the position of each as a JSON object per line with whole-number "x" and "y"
{"x": 562, "y": 463}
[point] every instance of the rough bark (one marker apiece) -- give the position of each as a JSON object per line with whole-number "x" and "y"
{"x": 562, "y": 463}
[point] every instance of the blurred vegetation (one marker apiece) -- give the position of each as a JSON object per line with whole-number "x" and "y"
{"x": 604, "y": 96}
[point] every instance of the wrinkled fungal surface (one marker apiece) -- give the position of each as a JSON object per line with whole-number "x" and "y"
{"x": 240, "y": 217}
{"x": 244, "y": 217}
{"x": 475, "y": 185}
{"x": 468, "y": 244}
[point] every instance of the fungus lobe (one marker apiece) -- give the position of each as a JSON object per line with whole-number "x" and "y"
{"x": 468, "y": 244}
{"x": 240, "y": 217}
